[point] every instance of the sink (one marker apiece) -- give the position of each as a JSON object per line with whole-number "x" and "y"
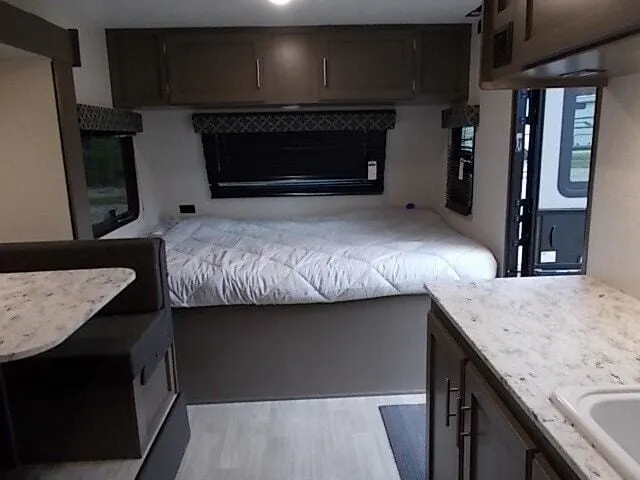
{"x": 609, "y": 417}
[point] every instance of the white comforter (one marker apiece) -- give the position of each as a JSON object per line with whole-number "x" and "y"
{"x": 364, "y": 254}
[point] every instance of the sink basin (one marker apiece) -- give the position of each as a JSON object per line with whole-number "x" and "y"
{"x": 609, "y": 417}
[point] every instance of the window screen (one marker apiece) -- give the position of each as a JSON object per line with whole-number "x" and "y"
{"x": 460, "y": 170}
{"x": 578, "y": 122}
{"x": 111, "y": 181}
{"x": 295, "y": 163}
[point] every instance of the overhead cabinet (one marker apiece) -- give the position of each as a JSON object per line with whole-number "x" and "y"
{"x": 226, "y": 67}
{"x": 519, "y": 36}
{"x": 367, "y": 65}
{"x": 211, "y": 68}
{"x": 137, "y": 70}
{"x": 291, "y": 71}
{"x": 444, "y": 53}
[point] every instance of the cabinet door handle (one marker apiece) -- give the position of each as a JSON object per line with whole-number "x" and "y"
{"x": 448, "y": 391}
{"x": 325, "y": 82}
{"x": 258, "y": 74}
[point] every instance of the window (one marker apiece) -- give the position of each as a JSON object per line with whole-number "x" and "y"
{"x": 109, "y": 162}
{"x": 295, "y": 163}
{"x": 460, "y": 170}
{"x": 578, "y": 122}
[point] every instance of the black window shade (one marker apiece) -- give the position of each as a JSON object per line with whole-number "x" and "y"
{"x": 295, "y": 163}
{"x": 459, "y": 195}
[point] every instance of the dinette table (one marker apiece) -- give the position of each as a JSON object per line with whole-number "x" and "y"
{"x": 39, "y": 311}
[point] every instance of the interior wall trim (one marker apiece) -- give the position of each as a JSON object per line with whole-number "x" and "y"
{"x": 461, "y": 116}
{"x": 276, "y": 122}
{"x": 103, "y": 119}
{"x": 31, "y": 33}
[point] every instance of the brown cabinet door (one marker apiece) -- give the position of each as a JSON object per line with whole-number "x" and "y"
{"x": 542, "y": 470}
{"x": 136, "y": 67}
{"x": 290, "y": 69}
{"x": 444, "y": 66}
{"x": 371, "y": 65}
{"x": 214, "y": 68}
{"x": 555, "y": 27}
{"x": 445, "y": 382}
{"x": 495, "y": 446}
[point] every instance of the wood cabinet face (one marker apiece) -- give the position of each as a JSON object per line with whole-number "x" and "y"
{"x": 553, "y": 27}
{"x": 446, "y": 364}
{"x": 496, "y": 446}
{"x": 136, "y": 68}
{"x": 367, "y": 65}
{"x": 541, "y": 470}
{"x": 208, "y": 68}
{"x": 291, "y": 68}
{"x": 444, "y": 66}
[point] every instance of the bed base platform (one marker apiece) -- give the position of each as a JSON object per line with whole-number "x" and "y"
{"x": 253, "y": 353}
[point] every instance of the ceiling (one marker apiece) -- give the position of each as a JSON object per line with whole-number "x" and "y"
{"x": 190, "y": 13}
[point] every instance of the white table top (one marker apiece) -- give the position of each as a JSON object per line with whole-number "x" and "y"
{"x": 40, "y": 310}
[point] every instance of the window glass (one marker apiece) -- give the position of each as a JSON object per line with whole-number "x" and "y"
{"x": 295, "y": 163}
{"x": 111, "y": 181}
{"x": 577, "y": 141}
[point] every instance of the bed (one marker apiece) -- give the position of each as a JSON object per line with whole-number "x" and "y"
{"x": 323, "y": 306}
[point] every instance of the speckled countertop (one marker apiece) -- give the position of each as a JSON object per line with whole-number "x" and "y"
{"x": 537, "y": 334}
{"x": 40, "y": 310}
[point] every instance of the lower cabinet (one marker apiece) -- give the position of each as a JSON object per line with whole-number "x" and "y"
{"x": 472, "y": 434}
{"x": 496, "y": 446}
{"x": 542, "y": 470}
{"x": 446, "y": 385}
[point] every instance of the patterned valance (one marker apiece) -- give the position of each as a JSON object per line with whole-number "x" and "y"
{"x": 273, "y": 122}
{"x": 461, "y": 116}
{"x": 102, "y": 119}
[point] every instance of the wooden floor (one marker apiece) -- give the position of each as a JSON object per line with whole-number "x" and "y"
{"x": 329, "y": 439}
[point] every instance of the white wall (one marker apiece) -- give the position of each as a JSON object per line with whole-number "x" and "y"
{"x": 93, "y": 87}
{"x": 34, "y": 205}
{"x": 613, "y": 254}
{"x": 487, "y": 223}
{"x": 175, "y": 153}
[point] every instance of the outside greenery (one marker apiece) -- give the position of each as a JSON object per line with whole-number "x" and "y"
{"x": 103, "y": 160}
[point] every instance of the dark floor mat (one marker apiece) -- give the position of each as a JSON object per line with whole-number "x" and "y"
{"x": 406, "y": 427}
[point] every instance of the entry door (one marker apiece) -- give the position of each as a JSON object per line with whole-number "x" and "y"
{"x": 552, "y": 159}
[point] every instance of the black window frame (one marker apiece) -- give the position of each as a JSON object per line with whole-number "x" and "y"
{"x": 131, "y": 184}
{"x": 374, "y": 147}
{"x": 566, "y": 187}
{"x": 459, "y": 193}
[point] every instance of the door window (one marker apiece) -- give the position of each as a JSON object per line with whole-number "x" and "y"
{"x": 578, "y": 119}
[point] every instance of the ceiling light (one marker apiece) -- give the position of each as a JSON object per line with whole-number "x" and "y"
{"x": 280, "y": 2}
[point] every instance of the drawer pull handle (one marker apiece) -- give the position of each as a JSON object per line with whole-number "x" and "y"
{"x": 449, "y": 390}
{"x": 325, "y": 80}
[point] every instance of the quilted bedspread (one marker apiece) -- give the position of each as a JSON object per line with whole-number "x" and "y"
{"x": 359, "y": 255}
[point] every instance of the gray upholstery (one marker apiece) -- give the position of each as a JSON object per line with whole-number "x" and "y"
{"x": 117, "y": 343}
{"x": 148, "y": 293}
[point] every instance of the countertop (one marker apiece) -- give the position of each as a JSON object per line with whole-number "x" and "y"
{"x": 538, "y": 334}
{"x": 39, "y": 310}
